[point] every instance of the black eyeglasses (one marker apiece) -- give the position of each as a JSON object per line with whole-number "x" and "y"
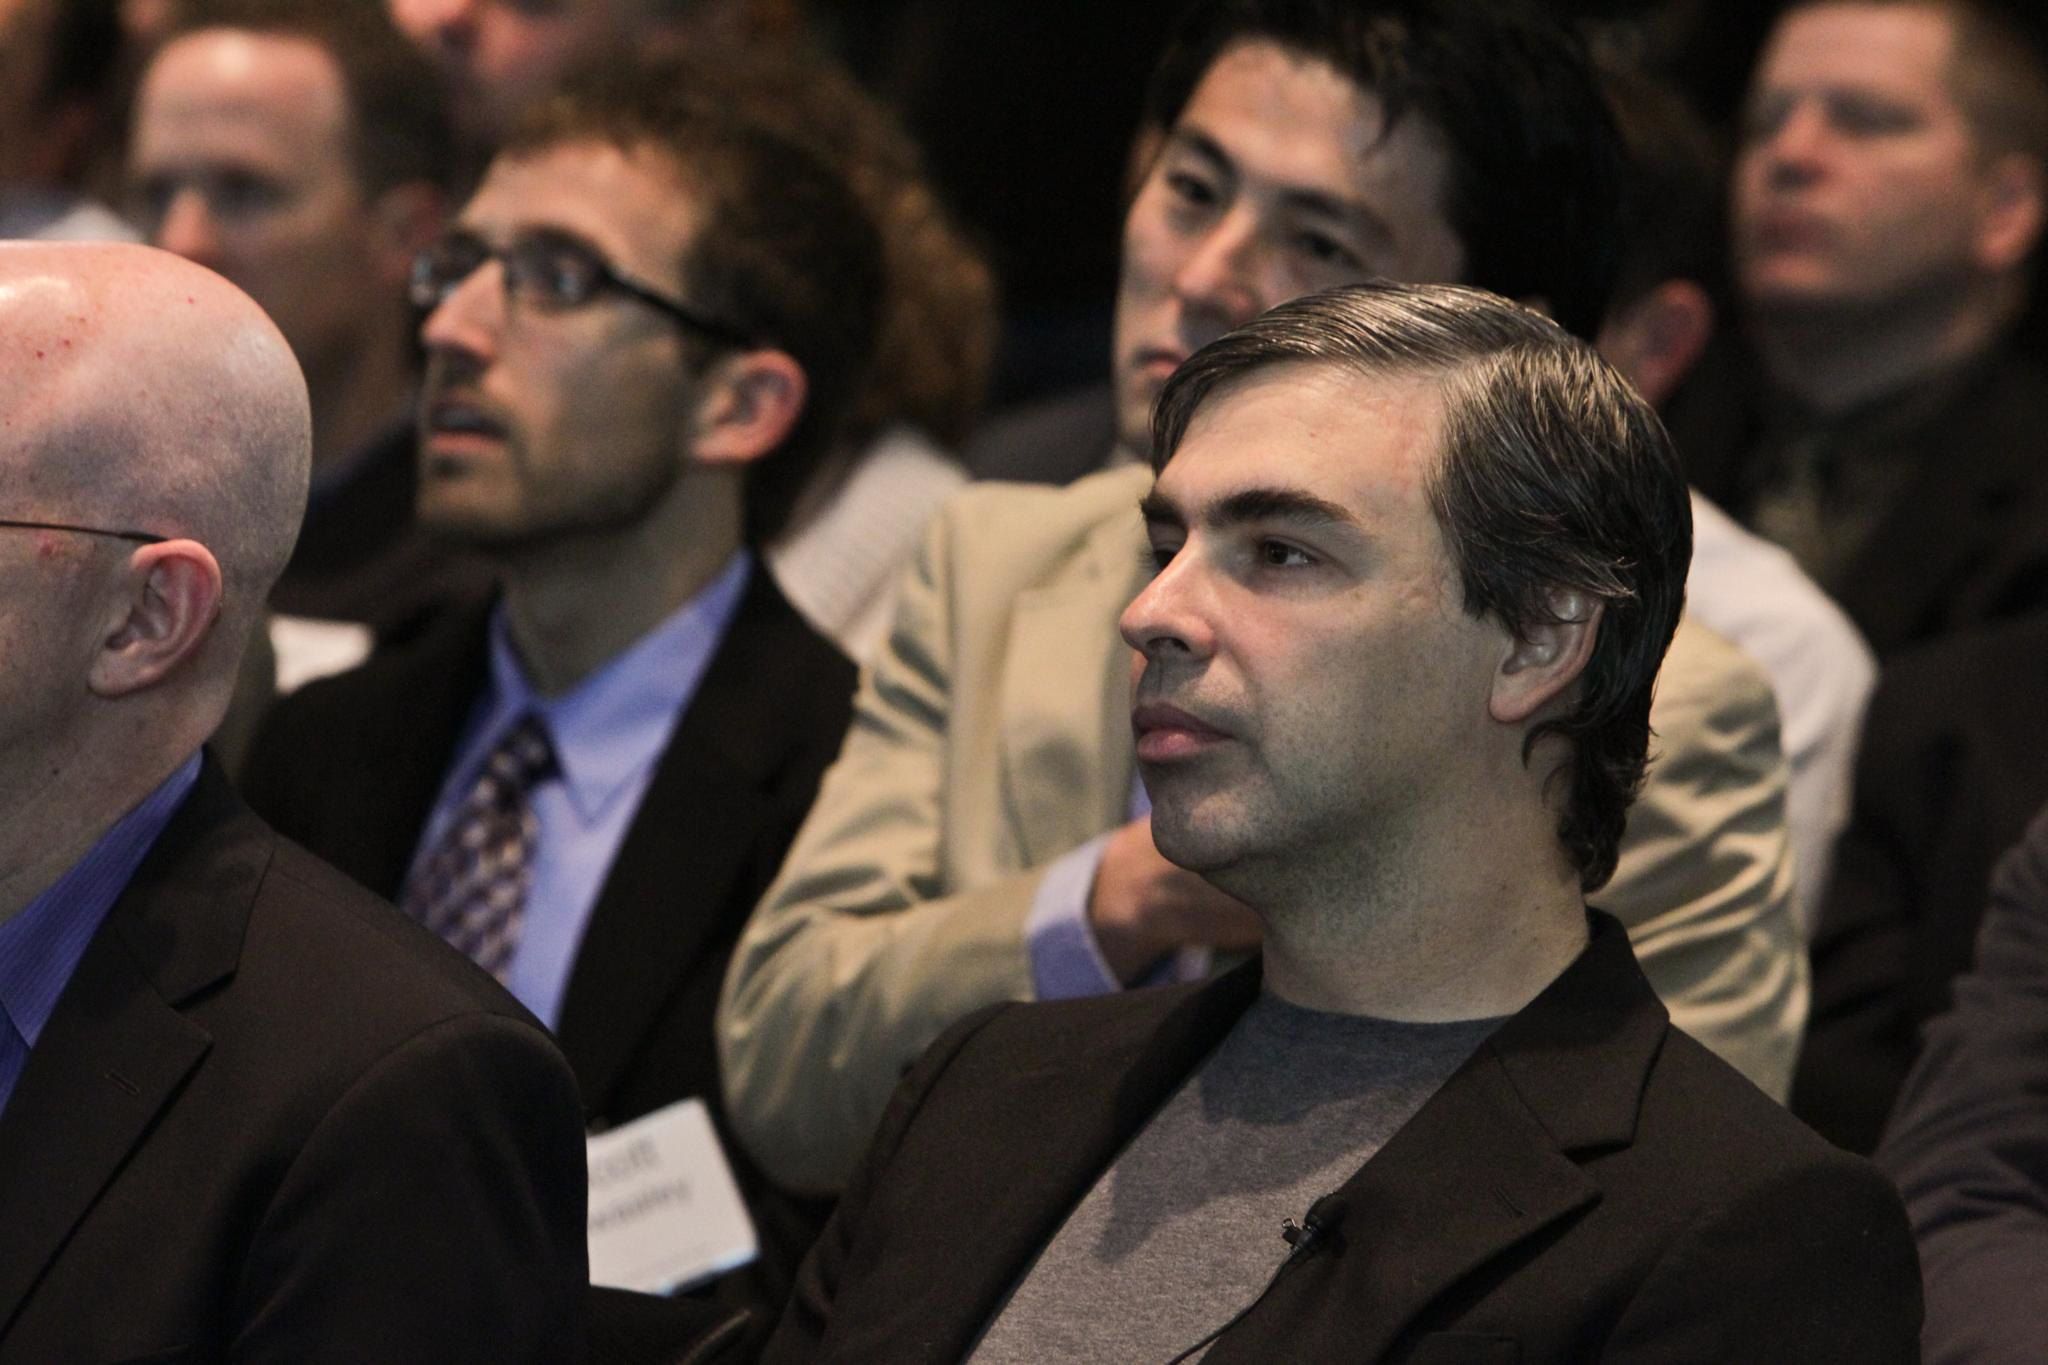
{"x": 140, "y": 537}
{"x": 550, "y": 270}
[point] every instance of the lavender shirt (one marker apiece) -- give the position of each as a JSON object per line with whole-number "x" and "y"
{"x": 40, "y": 947}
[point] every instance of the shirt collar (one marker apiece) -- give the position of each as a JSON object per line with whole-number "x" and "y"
{"x": 612, "y": 726}
{"x": 40, "y": 947}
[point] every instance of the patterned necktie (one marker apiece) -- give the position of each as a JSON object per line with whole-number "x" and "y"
{"x": 471, "y": 888}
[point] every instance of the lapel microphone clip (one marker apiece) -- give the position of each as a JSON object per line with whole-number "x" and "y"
{"x": 1317, "y": 1228}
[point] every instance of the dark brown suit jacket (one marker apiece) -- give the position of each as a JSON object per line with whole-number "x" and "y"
{"x": 1590, "y": 1185}
{"x": 272, "y": 1119}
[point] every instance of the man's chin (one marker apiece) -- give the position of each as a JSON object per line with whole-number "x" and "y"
{"x": 1134, "y": 417}
{"x": 469, "y": 529}
{"x": 1796, "y": 291}
{"x": 1195, "y": 843}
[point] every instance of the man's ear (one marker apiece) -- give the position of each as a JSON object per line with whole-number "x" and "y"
{"x": 751, "y": 402}
{"x": 2010, "y": 216}
{"x": 1540, "y": 665}
{"x": 170, "y": 598}
{"x": 406, "y": 218}
{"x": 1656, "y": 340}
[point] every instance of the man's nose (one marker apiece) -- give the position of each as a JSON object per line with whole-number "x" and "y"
{"x": 188, "y": 229}
{"x": 470, "y": 317}
{"x": 1172, "y": 618}
{"x": 1797, "y": 148}
{"x": 1220, "y": 275}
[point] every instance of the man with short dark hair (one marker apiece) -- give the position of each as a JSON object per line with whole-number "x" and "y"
{"x": 1888, "y": 199}
{"x": 982, "y": 836}
{"x": 1419, "y": 555}
{"x": 300, "y": 151}
{"x": 247, "y": 1112}
{"x": 645, "y": 329}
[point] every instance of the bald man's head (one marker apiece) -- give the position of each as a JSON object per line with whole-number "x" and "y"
{"x": 154, "y": 436}
{"x": 141, "y": 391}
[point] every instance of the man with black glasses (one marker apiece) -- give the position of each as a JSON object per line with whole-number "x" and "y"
{"x": 642, "y": 334}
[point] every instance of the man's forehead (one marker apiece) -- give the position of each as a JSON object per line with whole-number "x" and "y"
{"x": 1325, "y": 430}
{"x": 1293, "y": 115}
{"x": 48, "y": 323}
{"x": 1888, "y": 47}
{"x": 1317, "y": 137}
{"x": 634, "y": 203}
{"x": 274, "y": 86}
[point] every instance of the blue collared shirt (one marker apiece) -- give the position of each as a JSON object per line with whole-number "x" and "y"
{"x": 40, "y": 947}
{"x": 608, "y": 732}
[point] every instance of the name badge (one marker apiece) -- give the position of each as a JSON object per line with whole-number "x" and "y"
{"x": 665, "y": 1213}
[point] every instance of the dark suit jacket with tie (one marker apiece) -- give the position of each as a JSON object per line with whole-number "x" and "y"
{"x": 1591, "y": 1184}
{"x": 350, "y": 766}
{"x": 272, "y": 1120}
{"x": 1965, "y": 540}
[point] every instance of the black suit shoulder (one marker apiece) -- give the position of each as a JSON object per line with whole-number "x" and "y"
{"x": 270, "y": 1118}
{"x": 352, "y": 765}
{"x": 310, "y": 916}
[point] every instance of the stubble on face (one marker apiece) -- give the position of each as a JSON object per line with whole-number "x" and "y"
{"x": 1855, "y": 189}
{"x": 582, "y": 414}
{"x": 1330, "y": 654}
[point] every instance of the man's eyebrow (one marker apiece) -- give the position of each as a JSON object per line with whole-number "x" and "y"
{"x": 1288, "y": 505}
{"x": 1320, "y": 202}
{"x": 1355, "y": 212}
{"x": 1156, "y": 510}
{"x": 1199, "y": 143}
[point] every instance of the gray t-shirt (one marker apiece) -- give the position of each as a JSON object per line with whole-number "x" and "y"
{"x": 1183, "y": 1230}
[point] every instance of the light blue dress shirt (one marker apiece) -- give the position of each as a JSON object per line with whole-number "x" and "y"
{"x": 41, "y": 946}
{"x": 608, "y": 732}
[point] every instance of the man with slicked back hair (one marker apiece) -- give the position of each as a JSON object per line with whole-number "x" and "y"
{"x": 982, "y": 836}
{"x": 1418, "y": 555}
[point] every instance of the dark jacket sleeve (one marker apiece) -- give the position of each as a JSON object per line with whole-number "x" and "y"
{"x": 1897, "y": 920}
{"x": 435, "y": 1215}
{"x": 826, "y": 1270}
{"x": 1953, "y": 765}
{"x": 1862, "y": 1030}
{"x": 1968, "y": 1145}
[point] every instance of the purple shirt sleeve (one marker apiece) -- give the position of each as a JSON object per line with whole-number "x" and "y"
{"x": 1066, "y": 962}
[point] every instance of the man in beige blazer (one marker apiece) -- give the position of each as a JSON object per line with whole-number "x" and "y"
{"x": 991, "y": 752}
